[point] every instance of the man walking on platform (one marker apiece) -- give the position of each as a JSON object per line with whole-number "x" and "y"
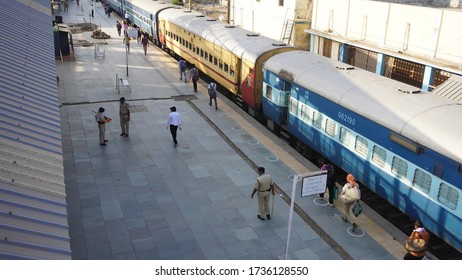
{"x": 264, "y": 185}
{"x": 145, "y": 43}
{"x": 195, "y": 76}
{"x": 119, "y": 27}
{"x": 124, "y": 114}
{"x": 174, "y": 122}
{"x": 182, "y": 69}
{"x": 212, "y": 89}
{"x": 127, "y": 43}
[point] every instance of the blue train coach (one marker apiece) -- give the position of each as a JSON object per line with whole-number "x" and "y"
{"x": 403, "y": 143}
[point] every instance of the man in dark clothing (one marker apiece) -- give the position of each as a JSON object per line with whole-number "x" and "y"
{"x": 195, "y": 76}
{"x": 330, "y": 180}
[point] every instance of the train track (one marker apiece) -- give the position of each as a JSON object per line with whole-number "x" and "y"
{"x": 438, "y": 247}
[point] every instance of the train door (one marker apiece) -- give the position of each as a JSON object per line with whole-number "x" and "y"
{"x": 123, "y": 8}
{"x": 284, "y": 99}
{"x": 161, "y": 33}
{"x": 235, "y": 73}
{"x": 152, "y": 27}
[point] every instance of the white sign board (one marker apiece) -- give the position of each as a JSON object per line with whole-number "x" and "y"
{"x": 314, "y": 183}
{"x": 132, "y": 32}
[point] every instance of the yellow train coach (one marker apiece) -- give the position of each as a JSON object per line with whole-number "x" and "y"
{"x": 230, "y": 55}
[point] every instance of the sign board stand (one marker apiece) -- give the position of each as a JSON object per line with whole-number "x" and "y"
{"x": 312, "y": 183}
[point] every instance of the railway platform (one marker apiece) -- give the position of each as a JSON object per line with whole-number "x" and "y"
{"x": 141, "y": 198}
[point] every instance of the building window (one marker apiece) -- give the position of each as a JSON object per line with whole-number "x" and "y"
{"x": 361, "y": 146}
{"x": 448, "y": 196}
{"x": 281, "y": 2}
{"x": 399, "y": 167}
{"x": 345, "y": 136}
{"x": 422, "y": 180}
{"x": 379, "y": 156}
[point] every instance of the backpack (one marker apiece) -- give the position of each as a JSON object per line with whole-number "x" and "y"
{"x": 212, "y": 91}
{"x": 182, "y": 65}
{"x": 195, "y": 75}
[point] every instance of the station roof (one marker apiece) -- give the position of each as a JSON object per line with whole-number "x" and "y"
{"x": 33, "y": 216}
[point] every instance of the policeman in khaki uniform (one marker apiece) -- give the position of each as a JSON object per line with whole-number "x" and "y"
{"x": 124, "y": 114}
{"x": 264, "y": 185}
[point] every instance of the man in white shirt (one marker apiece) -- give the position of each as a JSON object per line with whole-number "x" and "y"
{"x": 174, "y": 122}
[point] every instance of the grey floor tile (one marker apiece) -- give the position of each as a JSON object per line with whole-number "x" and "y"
{"x": 121, "y": 246}
{"x": 143, "y": 244}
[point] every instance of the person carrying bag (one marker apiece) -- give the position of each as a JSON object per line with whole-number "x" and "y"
{"x": 350, "y": 194}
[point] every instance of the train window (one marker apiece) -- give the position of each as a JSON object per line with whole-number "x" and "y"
{"x": 317, "y": 119}
{"x": 293, "y": 106}
{"x": 210, "y": 58}
{"x": 249, "y": 81}
{"x": 220, "y": 64}
{"x": 330, "y": 127}
{"x": 379, "y": 156}
{"x": 345, "y": 136}
{"x": 215, "y": 61}
{"x": 399, "y": 167}
{"x": 191, "y": 47}
{"x": 269, "y": 92}
{"x": 226, "y": 67}
{"x": 202, "y": 53}
{"x": 231, "y": 70}
{"x": 448, "y": 196}
{"x": 305, "y": 113}
{"x": 422, "y": 180}
{"x": 197, "y": 51}
{"x": 361, "y": 146}
{"x": 206, "y": 55}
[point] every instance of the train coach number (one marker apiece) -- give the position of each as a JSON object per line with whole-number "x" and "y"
{"x": 348, "y": 119}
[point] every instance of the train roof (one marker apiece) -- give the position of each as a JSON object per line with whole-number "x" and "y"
{"x": 423, "y": 117}
{"x": 152, "y": 6}
{"x": 241, "y": 42}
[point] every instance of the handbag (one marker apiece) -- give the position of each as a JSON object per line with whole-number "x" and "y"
{"x": 335, "y": 192}
{"x": 415, "y": 245}
{"x": 351, "y": 194}
{"x": 357, "y": 209}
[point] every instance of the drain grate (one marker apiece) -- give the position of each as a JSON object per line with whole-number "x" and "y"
{"x": 184, "y": 97}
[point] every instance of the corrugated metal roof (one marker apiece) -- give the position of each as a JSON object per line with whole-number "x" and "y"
{"x": 451, "y": 88}
{"x": 33, "y": 217}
